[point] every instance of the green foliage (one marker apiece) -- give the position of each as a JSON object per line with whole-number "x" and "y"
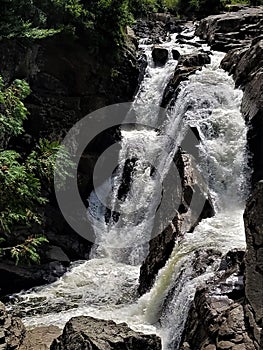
{"x": 104, "y": 19}
{"x": 22, "y": 176}
{"x": 20, "y": 193}
{"x": 12, "y": 110}
{"x": 199, "y": 8}
{"x": 27, "y": 251}
{"x": 13, "y": 19}
{"x": 109, "y": 19}
{"x": 142, "y": 7}
{"x": 37, "y": 33}
{"x": 45, "y": 157}
{"x": 170, "y": 5}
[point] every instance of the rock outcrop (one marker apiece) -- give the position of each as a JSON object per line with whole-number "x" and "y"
{"x": 156, "y": 29}
{"x": 187, "y": 65}
{"x": 254, "y": 262}
{"x": 233, "y": 29}
{"x": 93, "y": 334}
{"x": 12, "y": 330}
{"x": 15, "y": 278}
{"x": 188, "y": 202}
{"x": 40, "y": 338}
{"x": 160, "y": 55}
{"x": 246, "y": 65}
{"x": 216, "y": 320}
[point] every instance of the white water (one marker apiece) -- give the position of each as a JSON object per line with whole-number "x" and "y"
{"x": 105, "y": 286}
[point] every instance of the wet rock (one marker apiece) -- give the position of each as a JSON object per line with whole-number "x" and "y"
{"x": 246, "y": 66}
{"x": 160, "y": 55}
{"x": 40, "y": 338}
{"x": 231, "y": 30}
{"x": 253, "y": 218}
{"x": 176, "y": 54}
{"x": 15, "y": 278}
{"x": 12, "y": 331}
{"x": 187, "y": 203}
{"x": 195, "y": 59}
{"x": 184, "y": 37}
{"x": 154, "y": 30}
{"x": 187, "y": 65}
{"x": 93, "y": 334}
{"x": 55, "y": 253}
{"x": 216, "y": 319}
{"x": 191, "y": 43}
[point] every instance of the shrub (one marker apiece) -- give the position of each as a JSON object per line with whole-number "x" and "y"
{"x": 22, "y": 177}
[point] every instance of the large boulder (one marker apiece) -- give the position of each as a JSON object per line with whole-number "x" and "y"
{"x": 233, "y": 29}
{"x": 216, "y": 320}
{"x": 254, "y": 262}
{"x": 160, "y": 55}
{"x": 195, "y": 59}
{"x": 93, "y": 334}
{"x": 12, "y": 330}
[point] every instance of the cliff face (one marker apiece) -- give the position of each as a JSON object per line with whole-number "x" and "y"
{"x": 246, "y": 65}
{"x": 233, "y": 29}
{"x": 68, "y": 77}
{"x": 254, "y": 263}
{"x": 217, "y": 320}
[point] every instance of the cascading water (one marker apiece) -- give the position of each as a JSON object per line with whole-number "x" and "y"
{"x": 106, "y": 285}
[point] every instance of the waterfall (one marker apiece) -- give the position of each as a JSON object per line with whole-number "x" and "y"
{"x": 212, "y": 105}
{"x": 106, "y": 285}
{"x": 126, "y": 239}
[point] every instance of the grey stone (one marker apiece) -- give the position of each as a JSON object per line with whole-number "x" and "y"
{"x": 93, "y": 334}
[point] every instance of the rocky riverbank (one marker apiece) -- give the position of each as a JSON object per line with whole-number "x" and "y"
{"x": 222, "y": 318}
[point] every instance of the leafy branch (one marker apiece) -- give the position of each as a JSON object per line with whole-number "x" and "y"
{"x": 26, "y": 251}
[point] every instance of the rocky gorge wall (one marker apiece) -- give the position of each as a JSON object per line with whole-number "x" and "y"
{"x": 234, "y": 320}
